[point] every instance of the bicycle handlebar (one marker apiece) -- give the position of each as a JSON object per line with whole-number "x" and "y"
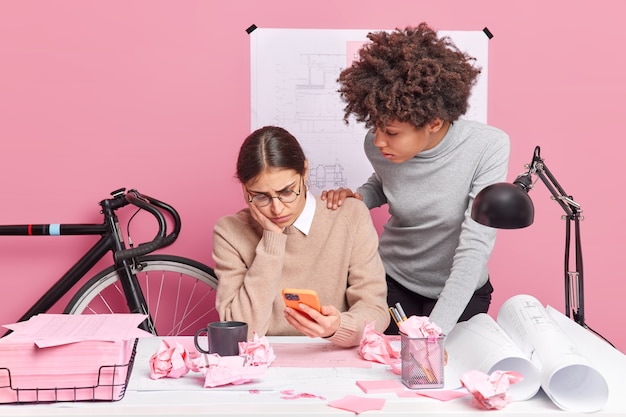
{"x": 156, "y": 208}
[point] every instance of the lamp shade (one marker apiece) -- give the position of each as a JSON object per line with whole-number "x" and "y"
{"x": 503, "y": 206}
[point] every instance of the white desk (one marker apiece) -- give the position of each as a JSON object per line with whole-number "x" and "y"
{"x": 188, "y": 398}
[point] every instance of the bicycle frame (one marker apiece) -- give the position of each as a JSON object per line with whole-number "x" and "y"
{"x": 111, "y": 240}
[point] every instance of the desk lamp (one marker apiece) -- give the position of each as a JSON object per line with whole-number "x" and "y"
{"x": 508, "y": 206}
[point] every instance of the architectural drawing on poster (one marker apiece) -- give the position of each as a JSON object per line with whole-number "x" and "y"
{"x": 294, "y": 85}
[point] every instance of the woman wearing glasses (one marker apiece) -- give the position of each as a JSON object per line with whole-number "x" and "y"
{"x": 286, "y": 238}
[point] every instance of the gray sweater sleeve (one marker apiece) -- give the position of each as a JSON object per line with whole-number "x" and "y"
{"x": 372, "y": 192}
{"x": 469, "y": 265}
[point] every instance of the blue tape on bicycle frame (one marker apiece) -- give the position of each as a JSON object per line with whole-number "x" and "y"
{"x": 54, "y": 230}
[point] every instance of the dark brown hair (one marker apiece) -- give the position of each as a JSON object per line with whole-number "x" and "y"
{"x": 408, "y": 75}
{"x": 269, "y": 147}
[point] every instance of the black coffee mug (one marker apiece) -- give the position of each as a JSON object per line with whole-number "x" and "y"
{"x": 223, "y": 337}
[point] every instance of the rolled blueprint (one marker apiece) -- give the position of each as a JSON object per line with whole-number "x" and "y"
{"x": 481, "y": 344}
{"x": 567, "y": 377}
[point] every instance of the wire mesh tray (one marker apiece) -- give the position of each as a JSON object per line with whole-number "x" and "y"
{"x": 110, "y": 386}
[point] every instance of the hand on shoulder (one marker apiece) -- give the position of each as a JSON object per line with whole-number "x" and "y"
{"x": 335, "y": 198}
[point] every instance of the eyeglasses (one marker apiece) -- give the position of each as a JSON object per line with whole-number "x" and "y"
{"x": 284, "y": 196}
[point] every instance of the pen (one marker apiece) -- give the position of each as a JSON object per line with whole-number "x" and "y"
{"x": 400, "y": 311}
{"x": 395, "y": 316}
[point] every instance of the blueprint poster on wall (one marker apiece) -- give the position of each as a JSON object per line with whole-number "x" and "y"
{"x": 294, "y": 85}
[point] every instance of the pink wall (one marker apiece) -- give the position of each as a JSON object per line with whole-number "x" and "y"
{"x": 166, "y": 85}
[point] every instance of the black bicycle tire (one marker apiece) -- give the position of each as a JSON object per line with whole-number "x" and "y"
{"x": 108, "y": 276}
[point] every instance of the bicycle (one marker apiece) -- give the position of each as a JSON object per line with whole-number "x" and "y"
{"x": 137, "y": 281}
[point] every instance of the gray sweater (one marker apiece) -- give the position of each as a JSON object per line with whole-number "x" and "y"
{"x": 430, "y": 244}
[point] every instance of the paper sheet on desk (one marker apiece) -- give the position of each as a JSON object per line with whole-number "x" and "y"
{"x": 317, "y": 355}
{"x": 47, "y": 330}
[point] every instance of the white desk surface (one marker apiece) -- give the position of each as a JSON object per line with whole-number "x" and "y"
{"x": 186, "y": 397}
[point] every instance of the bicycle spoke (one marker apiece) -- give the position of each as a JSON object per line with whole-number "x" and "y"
{"x": 103, "y": 301}
{"x": 155, "y": 311}
{"x": 195, "y": 323}
{"x": 195, "y": 308}
{"x": 189, "y": 309}
{"x": 177, "y": 323}
{"x": 186, "y": 311}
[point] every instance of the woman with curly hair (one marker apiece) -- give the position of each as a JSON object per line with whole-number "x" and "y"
{"x": 411, "y": 87}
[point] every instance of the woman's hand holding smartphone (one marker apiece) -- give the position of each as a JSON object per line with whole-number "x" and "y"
{"x": 294, "y": 296}
{"x": 323, "y": 321}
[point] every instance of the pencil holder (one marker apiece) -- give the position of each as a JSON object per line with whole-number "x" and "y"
{"x": 422, "y": 361}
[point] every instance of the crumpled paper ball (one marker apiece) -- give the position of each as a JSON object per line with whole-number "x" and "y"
{"x": 419, "y": 326}
{"x": 490, "y": 391}
{"x": 223, "y": 370}
{"x": 375, "y": 347}
{"x": 170, "y": 361}
{"x": 257, "y": 351}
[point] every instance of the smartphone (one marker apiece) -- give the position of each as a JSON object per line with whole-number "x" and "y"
{"x": 295, "y": 296}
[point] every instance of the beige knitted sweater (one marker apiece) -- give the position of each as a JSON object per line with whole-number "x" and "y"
{"x": 338, "y": 259}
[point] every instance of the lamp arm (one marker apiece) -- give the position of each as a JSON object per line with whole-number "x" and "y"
{"x": 567, "y": 203}
{"x": 574, "y": 290}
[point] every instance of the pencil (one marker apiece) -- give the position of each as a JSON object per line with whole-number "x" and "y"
{"x": 428, "y": 373}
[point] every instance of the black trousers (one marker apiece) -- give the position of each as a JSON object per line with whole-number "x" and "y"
{"x": 417, "y": 305}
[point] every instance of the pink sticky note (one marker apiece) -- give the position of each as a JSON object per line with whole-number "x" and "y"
{"x": 379, "y": 386}
{"x": 358, "y": 404}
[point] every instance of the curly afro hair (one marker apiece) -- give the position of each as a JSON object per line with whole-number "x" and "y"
{"x": 408, "y": 75}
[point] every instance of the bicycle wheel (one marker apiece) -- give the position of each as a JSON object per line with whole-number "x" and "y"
{"x": 180, "y": 294}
